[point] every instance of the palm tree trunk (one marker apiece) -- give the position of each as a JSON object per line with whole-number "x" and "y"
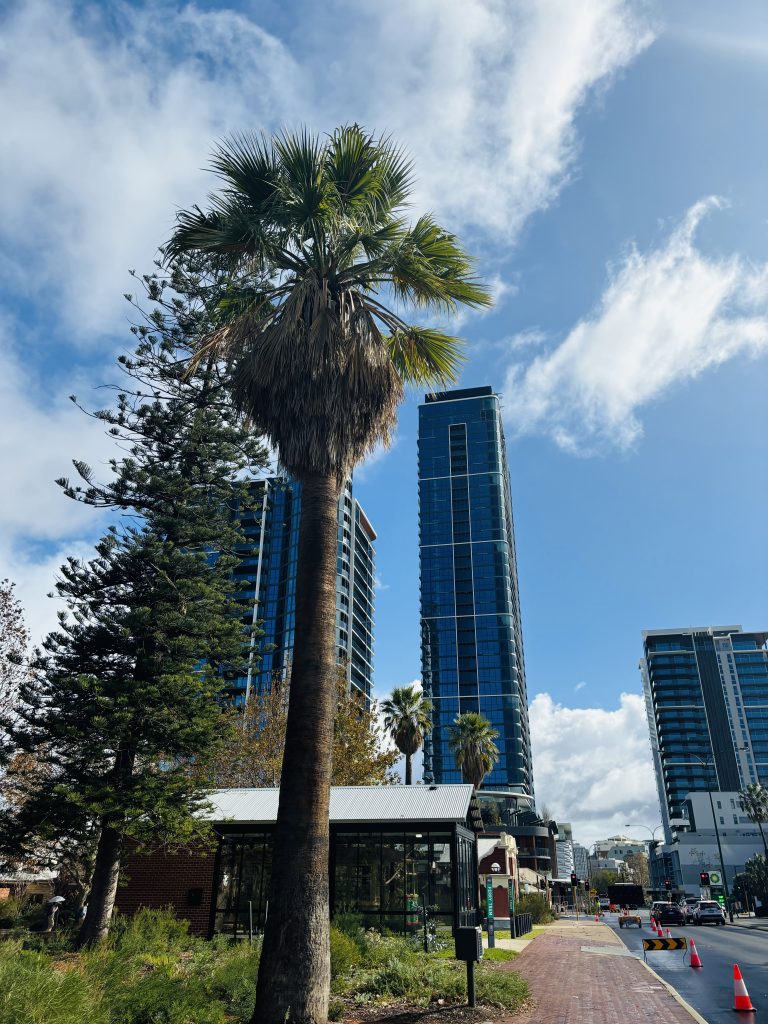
{"x": 101, "y": 901}
{"x": 762, "y": 836}
{"x": 408, "y": 770}
{"x": 295, "y": 968}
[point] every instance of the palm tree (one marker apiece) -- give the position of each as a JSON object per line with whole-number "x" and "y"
{"x": 407, "y": 718}
{"x": 312, "y": 232}
{"x": 754, "y": 799}
{"x": 471, "y": 742}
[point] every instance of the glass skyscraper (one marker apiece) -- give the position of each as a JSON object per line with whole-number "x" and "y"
{"x": 266, "y": 576}
{"x": 472, "y": 645}
{"x": 706, "y": 695}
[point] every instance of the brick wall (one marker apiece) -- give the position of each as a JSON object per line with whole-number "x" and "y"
{"x": 161, "y": 879}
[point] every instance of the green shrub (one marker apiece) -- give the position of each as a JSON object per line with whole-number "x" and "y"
{"x": 415, "y": 978}
{"x": 535, "y": 905}
{"x": 32, "y": 991}
{"x": 336, "y": 1009}
{"x": 230, "y": 975}
{"x": 151, "y": 931}
{"x": 161, "y": 996}
{"x": 345, "y": 954}
{"x": 503, "y": 989}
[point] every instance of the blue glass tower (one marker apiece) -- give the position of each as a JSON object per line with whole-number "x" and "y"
{"x": 472, "y": 644}
{"x": 706, "y": 695}
{"x": 266, "y": 577}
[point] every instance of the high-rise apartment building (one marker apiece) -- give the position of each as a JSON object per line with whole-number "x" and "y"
{"x": 266, "y": 576}
{"x": 472, "y": 645}
{"x": 706, "y": 694}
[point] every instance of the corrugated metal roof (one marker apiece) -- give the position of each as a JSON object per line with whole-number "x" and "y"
{"x": 356, "y": 803}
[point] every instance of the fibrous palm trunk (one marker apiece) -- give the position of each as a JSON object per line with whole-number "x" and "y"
{"x": 294, "y": 970}
{"x": 101, "y": 901}
{"x": 408, "y": 770}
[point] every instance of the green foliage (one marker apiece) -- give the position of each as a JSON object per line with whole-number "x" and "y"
{"x": 471, "y": 741}
{"x": 535, "y": 905}
{"x": 498, "y": 955}
{"x": 152, "y": 933}
{"x": 503, "y": 989}
{"x": 345, "y": 953}
{"x": 32, "y": 991}
{"x": 407, "y": 718}
{"x": 122, "y": 702}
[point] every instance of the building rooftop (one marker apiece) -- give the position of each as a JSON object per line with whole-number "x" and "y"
{"x": 458, "y": 394}
{"x": 427, "y": 804}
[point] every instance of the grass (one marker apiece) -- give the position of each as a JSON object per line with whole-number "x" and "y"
{"x": 151, "y": 971}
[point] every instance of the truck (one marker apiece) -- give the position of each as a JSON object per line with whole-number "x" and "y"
{"x": 624, "y": 894}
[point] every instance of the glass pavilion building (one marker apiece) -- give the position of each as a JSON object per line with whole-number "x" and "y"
{"x": 472, "y": 646}
{"x": 706, "y": 694}
{"x": 266, "y": 576}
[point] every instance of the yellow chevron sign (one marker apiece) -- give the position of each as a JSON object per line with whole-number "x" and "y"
{"x": 659, "y": 944}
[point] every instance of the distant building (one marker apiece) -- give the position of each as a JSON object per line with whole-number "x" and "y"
{"x": 706, "y": 695}
{"x": 619, "y": 847}
{"x": 694, "y": 844}
{"x": 472, "y": 644}
{"x": 566, "y": 862}
{"x": 580, "y": 860}
{"x": 266, "y": 576}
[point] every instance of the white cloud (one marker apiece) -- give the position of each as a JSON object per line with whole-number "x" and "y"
{"x": 593, "y": 766}
{"x": 110, "y": 118}
{"x": 108, "y": 135}
{"x": 579, "y": 686}
{"x": 664, "y": 318}
{"x": 42, "y": 433}
{"x": 485, "y": 94}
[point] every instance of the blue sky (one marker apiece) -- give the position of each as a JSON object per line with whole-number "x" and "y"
{"x": 605, "y": 161}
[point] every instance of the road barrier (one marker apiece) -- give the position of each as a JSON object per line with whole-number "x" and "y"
{"x": 662, "y": 945}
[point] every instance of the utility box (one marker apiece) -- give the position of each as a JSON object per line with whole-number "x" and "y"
{"x": 469, "y": 944}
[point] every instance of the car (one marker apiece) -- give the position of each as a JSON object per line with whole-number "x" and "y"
{"x": 657, "y": 906}
{"x": 669, "y": 913}
{"x": 708, "y": 912}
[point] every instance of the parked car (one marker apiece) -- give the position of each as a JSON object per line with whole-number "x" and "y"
{"x": 668, "y": 913}
{"x": 708, "y": 912}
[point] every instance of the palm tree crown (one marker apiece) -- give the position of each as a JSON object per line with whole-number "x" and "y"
{"x": 471, "y": 741}
{"x": 312, "y": 231}
{"x": 407, "y": 719}
{"x": 754, "y": 799}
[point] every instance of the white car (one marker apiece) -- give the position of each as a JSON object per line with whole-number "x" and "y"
{"x": 708, "y": 912}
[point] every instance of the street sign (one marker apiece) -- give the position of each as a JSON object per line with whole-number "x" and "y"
{"x": 489, "y": 904}
{"x": 593, "y": 892}
{"x": 664, "y": 944}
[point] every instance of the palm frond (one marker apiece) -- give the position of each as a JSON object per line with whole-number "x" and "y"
{"x": 248, "y": 164}
{"x": 426, "y": 357}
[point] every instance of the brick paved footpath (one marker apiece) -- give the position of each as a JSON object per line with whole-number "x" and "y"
{"x": 570, "y": 986}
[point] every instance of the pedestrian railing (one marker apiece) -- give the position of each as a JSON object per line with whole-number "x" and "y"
{"x": 523, "y": 925}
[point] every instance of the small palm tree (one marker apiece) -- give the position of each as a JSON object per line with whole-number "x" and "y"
{"x": 471, "y": 742}
{"x": 754, "y": 799}
{"x": 322, "y": 264}
{"x": 407, "y": 720}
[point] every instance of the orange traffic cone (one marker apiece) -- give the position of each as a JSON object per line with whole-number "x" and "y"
{"x": 695, "y": 958}
{"x": 669, "y": 934}
{"x": 659, "y": 932}
{"x": 653, "y": 924}
{"x": 597, "y": 918}
{"x": 741, "y": 999}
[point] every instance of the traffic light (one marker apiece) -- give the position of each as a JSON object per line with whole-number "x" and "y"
{"x": 668, "y": 884}
{"x": 574, "y": 879}
{"x": 704, "y": 878}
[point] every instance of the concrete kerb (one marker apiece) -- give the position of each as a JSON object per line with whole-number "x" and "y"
{"x": 674, "y": 993}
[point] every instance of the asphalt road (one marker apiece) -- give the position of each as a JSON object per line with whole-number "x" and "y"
{"x": 709, "y": 990}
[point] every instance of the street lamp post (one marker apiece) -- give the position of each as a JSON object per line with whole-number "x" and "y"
{"x": 708, "y": 764}
{"x": 651, "y": 848}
